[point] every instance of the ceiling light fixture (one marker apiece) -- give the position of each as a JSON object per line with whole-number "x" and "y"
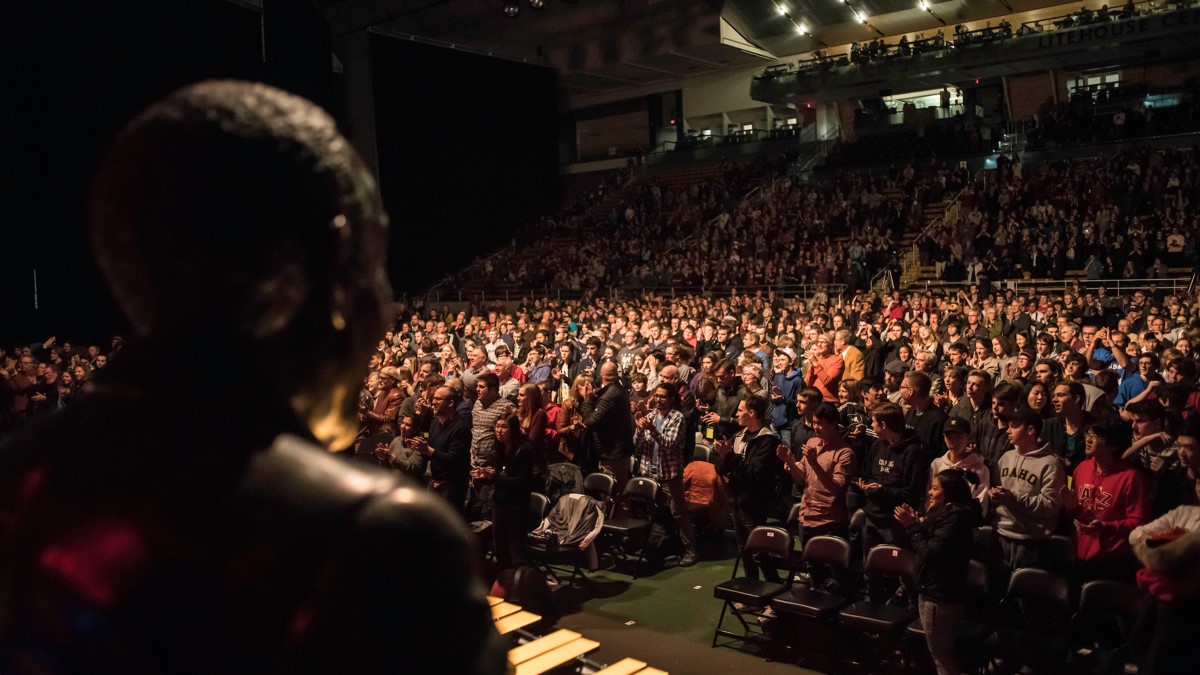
{"x": 926, "y": 8}
{"x": 511, "y": 9}
{"x": 537, "y": 4}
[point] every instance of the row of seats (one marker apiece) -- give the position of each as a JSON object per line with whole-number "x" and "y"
{"x": 1031, "y": 627}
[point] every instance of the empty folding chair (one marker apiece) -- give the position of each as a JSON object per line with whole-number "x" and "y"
{"x": 748, "y": 595}
{"x": 539, "y": 506}
{"x": 827, "y": 558}
{"x": 1030, "y": 623}
{"x": 1100, "y": 630}
{"x": 641, "y": 498}
{"x": 882, "y": 617}
{"x": 600, "y": 486}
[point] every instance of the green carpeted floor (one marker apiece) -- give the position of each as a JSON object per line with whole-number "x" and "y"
{"x": 673, "y": 613}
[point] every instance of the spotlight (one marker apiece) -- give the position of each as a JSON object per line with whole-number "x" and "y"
{"x": 801, "y": 29}
{"x": 782, "y": 10}
{"x": 511, "y": 9}
{"x": 924, "y": 6}
{"x": 537, "y": 4}
{"x": 861, "y": 18}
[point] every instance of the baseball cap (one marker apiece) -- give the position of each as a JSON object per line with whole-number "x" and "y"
{"x": 956, "y": 425}
{"x": 1026, "y": 417}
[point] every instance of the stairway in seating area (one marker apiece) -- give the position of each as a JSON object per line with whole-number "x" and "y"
{"x": 910, "y": 262}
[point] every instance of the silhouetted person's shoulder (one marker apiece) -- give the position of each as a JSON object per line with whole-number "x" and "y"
{"x": 183, "y": 515}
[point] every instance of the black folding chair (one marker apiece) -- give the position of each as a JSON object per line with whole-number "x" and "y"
{"x": 600, "y": 486}
{"x": 748, "y": 595}
{"x": 1100, "y": 631}
{"x": 641, "y": 497}
{"x": 539, "y": 506}
{"x": 1031, "y": 623}
{"x": 882, "y": 618}
{"x": 831, "y": 555}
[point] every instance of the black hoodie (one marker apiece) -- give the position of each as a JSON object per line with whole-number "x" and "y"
{"x": 901, "y": 471}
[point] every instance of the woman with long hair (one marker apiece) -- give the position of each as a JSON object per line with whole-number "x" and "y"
{"x": 571, "y": 433}
{"x": 511, "y": 472}
{"x": 943, "y": 539}
{"x": 531, "y": 412}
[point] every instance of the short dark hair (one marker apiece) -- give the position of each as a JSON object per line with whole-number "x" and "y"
{"x": 919, "y": 381}
{"x": 826, "y": 412}
{"x": 890, "y": 416}
{"x": 1115, "y": 432}
{"x": 757, "y": 405}
{"x": 1007, "y": 392}
{"x": 1150, "y": 409}
{"x": 672, "y": 394}
{"x": 490, "y": 380}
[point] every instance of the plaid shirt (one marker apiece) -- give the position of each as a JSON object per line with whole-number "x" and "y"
{"x": 669, "y": 441}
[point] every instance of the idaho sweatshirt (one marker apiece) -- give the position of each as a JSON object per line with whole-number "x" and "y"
{"x": 1035, "y": 482}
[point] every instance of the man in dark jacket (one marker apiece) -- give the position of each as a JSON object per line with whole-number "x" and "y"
{"x": 752, "y": 467}
{"x": 611, "y": 424}
{"x": 894, "y": 473}
{"x": 722, "y": 416}
{"x": 448, "y": 449}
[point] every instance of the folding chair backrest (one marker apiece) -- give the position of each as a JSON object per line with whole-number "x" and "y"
{"x": 1040, "y": 597}
{"x": 641, "y": 489}
{"x": 1107, "y": 613}
{"x": 892, "y": 561}
{"x": 857, "y": 520}
{"x": 768, "y": 540}
{"x": 539, "y": 506}
{"x": 702, "y": 454}
{"x": 826, "y": 550}
{"x": 977, "y": 578}
{"x": 599, "y": 486}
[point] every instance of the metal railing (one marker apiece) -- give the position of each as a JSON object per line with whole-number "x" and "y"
{"x": 803, "y": 291}
{"x": 1113, "y": 286}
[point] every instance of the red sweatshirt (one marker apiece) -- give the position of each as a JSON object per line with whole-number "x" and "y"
{"x": 1119, "y": 499}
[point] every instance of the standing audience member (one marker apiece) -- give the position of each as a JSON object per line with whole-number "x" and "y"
{"x": 1029, "y": 497}
{"x": 1109, "y": 499}
{"x": 659, "y": 444}
{"x": 750, "y": 464}
{"x": 943, "y": 539}
{"x": 823, "y": 473}
{"x": 510, "y": 471}
{"x": 893, "y": 473}
{"x": 611, "y": 423}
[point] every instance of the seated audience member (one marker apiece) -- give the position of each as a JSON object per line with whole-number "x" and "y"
{"x": 943, "y": 539}
{"x": 1029, "y": 497}
{"x": 893, "y": 473}
{"x": 960, "y": 455}
{"x": 822, "y": 473}
{"x": 1109, "y": 499}
{"x": 658, "y": 442}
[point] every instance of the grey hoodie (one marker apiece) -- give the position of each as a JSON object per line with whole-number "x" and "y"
{"x": 1035, "y": 482}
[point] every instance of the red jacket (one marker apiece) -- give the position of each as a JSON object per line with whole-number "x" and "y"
{"x": 1120, "y": 500}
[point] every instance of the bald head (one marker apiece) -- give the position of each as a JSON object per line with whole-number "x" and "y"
{"x": 669, "y": 374}
{"x": 608, "y": 372}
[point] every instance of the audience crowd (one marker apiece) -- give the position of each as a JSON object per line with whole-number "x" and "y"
{"x": 1060, "y": 429}
{"x": 1131, "y": 215}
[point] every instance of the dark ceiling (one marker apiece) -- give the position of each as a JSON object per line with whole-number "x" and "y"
{"x": 605, "y": 45}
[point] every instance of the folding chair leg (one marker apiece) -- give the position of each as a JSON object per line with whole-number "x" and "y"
{"x": 720, "y": 619}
